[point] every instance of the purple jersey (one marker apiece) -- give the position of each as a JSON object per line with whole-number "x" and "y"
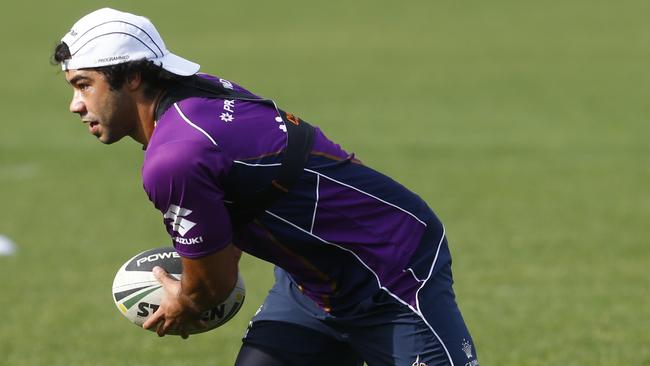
{"x": 342, "y": 232}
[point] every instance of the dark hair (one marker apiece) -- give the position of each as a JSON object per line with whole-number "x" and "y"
{"x": 154, "y": 77}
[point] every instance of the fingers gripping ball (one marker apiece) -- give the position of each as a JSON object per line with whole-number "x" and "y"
{"x": 137, "y": 293}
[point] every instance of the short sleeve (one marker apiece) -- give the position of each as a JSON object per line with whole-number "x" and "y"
{"x": 182, "y": 179}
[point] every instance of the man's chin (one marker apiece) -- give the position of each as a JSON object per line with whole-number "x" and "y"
{"x": 107, "y": 140}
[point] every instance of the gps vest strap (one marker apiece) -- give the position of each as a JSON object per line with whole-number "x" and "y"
{"x": 300, "y": 138}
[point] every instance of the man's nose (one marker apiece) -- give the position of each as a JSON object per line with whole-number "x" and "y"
{"x": 77, "y": 105}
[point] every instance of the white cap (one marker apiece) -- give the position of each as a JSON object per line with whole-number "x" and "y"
{"x": 109, "y": 37}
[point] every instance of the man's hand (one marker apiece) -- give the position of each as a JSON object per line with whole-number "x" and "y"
{"x": 205, "y": 283}
{"x": 176, "y": 311}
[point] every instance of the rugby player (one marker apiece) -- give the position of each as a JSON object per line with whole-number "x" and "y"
{"x": 363, "y": 269}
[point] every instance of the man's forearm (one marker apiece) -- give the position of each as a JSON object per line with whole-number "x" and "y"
{"x": 208, "y": 281}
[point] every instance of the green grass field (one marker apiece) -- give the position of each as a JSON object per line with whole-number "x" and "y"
{"x": 523, "y": 124}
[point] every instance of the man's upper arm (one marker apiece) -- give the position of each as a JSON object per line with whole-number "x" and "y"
{"x": 182, "y": 178}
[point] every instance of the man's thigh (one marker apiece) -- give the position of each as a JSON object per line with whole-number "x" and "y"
{"x": 284, "y": 332}
{"x": 439, "y": 309}
{"x": 387, "y": 332}
{"x": 435, "y": 334}
{"x": 270, "y": 343}
{"x": 406, "y": 338}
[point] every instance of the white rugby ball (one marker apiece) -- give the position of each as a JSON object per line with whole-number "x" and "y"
{"x": 137, "y": 293}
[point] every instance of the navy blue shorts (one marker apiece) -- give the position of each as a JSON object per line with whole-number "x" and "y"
{"x": 382, "y": 331}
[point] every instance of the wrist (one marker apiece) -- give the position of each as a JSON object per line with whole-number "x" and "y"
{"x": 189, "y": 302}
{"x": 200, "y": 297}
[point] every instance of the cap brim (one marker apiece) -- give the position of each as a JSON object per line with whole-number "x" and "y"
{"x": 178, "y": 65}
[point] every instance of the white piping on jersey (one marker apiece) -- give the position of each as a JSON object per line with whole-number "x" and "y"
{"x": 318, "y": 175}
{"x": 342, "y": 248}
{"x": 368, "y": 194}
{"x": 193, "y": 125}
{"x": 435, "y": 259}
{"x": 313, "y": 218}
{"x": 410, "y": 270}
{"x": 416, "y": 311}
{"x": 417, "y": 300}
{"x": 249, "y": 164}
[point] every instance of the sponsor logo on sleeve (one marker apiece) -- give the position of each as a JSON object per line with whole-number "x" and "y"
{"x": 188, "y": 241}
{"x": 180, "y": 224}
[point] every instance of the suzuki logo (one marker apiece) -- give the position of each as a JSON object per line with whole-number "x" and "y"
{"x": 179, "y": 223}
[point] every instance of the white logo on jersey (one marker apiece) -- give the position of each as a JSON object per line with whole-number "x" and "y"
{"x": 229, "y": 105}
{"x": 179, "y": 223}
{"x": 281, "y": 125}
{"x": 190, "y": 241}
{"x": 226, "y": 117}
{"x": 229, "y": 110}
{"x": 418, "y": 363}
{"x": 226, "y": 84}
{"x": 467, "y": 348}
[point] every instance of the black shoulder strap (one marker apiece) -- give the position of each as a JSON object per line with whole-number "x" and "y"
{"x": 300, "y": 138}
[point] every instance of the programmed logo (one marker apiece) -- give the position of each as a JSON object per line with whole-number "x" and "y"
{"x": 179, "y": 223}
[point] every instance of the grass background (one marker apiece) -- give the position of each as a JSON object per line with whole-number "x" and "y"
{"x": 523, "y": 124}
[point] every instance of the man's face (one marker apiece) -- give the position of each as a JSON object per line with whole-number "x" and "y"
{"x": 109, "y": 114}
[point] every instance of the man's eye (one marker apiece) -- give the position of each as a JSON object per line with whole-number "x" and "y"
{"x": 82, "y": 87}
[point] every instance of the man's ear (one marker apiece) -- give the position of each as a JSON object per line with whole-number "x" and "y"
{"x": 133, "y": 81}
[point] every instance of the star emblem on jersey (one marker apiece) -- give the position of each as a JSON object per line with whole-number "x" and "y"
{"x": 179, "y": 223}
{"x": 226, "y": 117}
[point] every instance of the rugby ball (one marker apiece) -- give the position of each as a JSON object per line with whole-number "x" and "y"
{"x": 137, "y": 293}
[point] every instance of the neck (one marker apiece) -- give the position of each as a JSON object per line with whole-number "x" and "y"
{"x": 145, "y": 109}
